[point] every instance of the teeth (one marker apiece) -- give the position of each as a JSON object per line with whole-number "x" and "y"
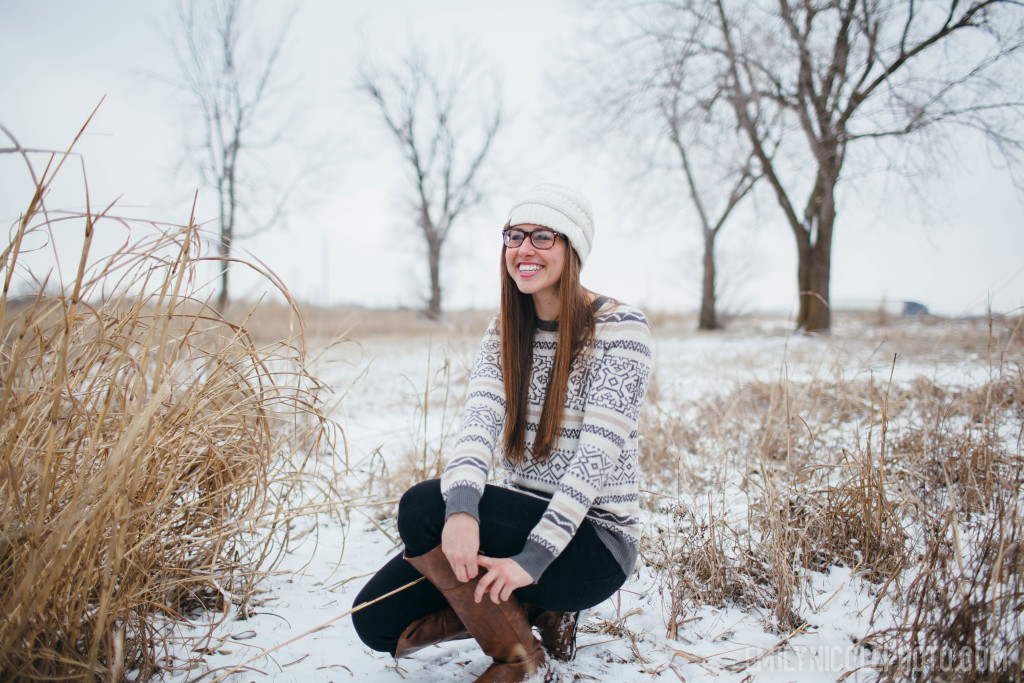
{"x": 528, "y": 268}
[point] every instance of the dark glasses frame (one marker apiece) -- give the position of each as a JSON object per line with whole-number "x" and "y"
{"x": 513, "y": 241}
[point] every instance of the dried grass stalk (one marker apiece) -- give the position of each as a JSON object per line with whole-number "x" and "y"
{"x": 148, "y": 448}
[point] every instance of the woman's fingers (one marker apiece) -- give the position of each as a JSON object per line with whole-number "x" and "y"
{"x": 458, "y": 563}
{"x": 503, "y": 576}
{"x": 491, "y": 582}
{"x": 460, "y": 541}
{"x": 463, "y": 565}
{"x": 469, "y": 568}
{"x": 481, "y": 587}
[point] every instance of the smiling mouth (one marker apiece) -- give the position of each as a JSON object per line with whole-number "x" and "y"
{"x": 528, "y": 269}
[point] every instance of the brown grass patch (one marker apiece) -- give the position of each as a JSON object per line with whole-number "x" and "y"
{"x": 915, "y": 486}
{"x": 153, "y": 456}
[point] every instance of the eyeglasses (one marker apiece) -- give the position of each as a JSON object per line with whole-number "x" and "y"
{"x": 541, "y": 238}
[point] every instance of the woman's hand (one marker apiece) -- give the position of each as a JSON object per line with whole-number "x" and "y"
{"x": 503, "y": 576}
{"x": 460, "y": 542}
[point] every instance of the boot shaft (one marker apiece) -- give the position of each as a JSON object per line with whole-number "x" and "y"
{"x": 502, "y": 629}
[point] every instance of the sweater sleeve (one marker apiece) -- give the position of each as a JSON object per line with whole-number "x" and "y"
{"x": 615, "y": 393}
{"x": 464, "y": 477}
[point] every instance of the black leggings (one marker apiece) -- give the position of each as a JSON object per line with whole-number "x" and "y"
{"x": 583, "y": 575}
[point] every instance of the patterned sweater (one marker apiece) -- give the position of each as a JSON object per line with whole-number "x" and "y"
{"x": 592, "y": 470}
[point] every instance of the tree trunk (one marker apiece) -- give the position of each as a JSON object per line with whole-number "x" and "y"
{"x": 708, "y": 317}
{"x": 227, "y": 231}
{"x": 815, "y": 266}
{"x": 434, "y": 255}
{"x": 814, "y": 260}
{"x": 222, "y": 297}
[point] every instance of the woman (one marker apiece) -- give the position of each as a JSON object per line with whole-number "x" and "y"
{"x": 556, "y": 392}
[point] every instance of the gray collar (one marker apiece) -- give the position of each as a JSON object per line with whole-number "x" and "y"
{"x": 552, "y": 325}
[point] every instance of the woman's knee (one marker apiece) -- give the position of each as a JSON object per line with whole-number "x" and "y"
{"x": 421, "y": 516}
{"x": 368, "y": 627}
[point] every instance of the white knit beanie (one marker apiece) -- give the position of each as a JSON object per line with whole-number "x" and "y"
{"x": 560, "y": 208}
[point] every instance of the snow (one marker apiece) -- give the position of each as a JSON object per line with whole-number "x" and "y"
{"x": 301, "y": 618}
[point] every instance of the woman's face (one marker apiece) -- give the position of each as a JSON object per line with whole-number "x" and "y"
{"x": 536, "y": 271}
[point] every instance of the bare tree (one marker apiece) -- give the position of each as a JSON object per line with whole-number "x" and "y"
{"x": 443, "y": 139}
{"x": 808, "y": 79}
{"x": 680, "y": 129}
{"x": 694, "y": 127}
{"x": 228, "y": 74}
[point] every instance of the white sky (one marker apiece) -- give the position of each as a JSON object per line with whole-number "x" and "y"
{"x": 955, "y": 249}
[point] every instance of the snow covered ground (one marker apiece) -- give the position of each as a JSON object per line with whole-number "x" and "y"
{"x": 623, "y": 639}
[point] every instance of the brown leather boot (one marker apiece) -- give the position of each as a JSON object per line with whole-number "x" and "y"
{"x": 557, "y": 631}
{"x": 501, "y": 630}
{"x": 438, "y": 627}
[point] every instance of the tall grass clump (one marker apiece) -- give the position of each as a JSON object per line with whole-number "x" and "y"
{"x": 152, "y": 456}
{"x": 963, "y": 600}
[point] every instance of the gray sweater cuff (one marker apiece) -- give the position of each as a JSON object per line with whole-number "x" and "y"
{"x": 534, "y": 558}
{"x": 462, "y": 498}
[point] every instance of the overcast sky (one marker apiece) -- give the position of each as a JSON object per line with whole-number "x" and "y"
{"x": 955, "y": 248}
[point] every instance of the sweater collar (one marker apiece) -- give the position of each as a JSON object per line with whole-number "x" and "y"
{"x": 552, "y": 325}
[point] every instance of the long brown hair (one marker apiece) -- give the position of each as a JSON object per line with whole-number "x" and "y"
{"x": 517, "y": 319}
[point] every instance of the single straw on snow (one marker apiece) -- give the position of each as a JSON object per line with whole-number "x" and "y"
{"x": 239, "y": 667}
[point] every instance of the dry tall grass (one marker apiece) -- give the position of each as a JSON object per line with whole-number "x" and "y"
{"x": 153, "y": 458}
{"x": 915, "y": 486}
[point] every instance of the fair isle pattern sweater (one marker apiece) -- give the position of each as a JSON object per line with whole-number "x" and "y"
{"x": 592, "y": 470}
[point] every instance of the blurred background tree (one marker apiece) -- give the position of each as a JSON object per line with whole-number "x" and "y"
{"x": 444, "y": 117}
{"x": 718, "y": 176}
{"x": 229, "y": 73}
{"x": 681, "y": 135}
